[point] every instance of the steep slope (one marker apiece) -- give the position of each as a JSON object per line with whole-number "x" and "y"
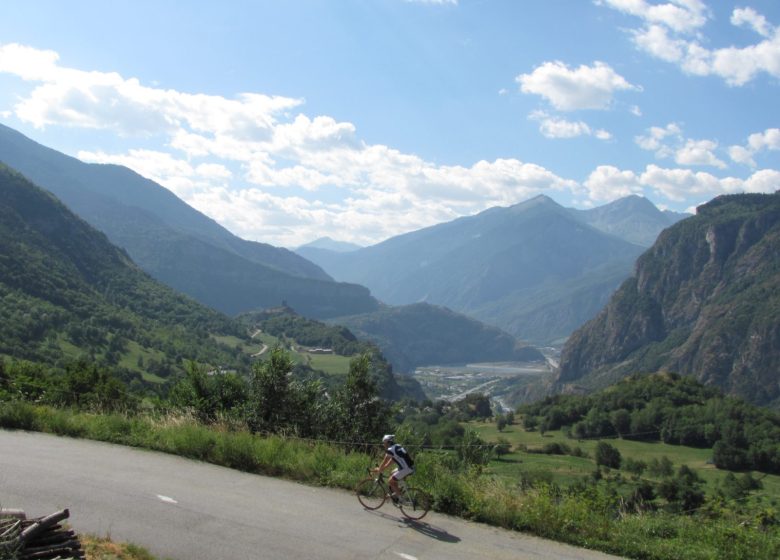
{"x": 704, "y": 301}
{"x": 633, "y": 218}
{"x": 65, "y": 290}
{"x": 532, "y": 269}
{"x": 423, "y": 334}
{"x": 178, "y": 245}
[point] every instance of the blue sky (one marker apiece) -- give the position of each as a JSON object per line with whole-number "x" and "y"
{"x": 290, "y": 120}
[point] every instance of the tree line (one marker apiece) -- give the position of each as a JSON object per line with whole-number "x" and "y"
{"x": 671, "y": 408}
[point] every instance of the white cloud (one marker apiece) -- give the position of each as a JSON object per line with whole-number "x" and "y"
{"x": 556, "y": 127}
{"x": 586, "y": 87}
{"x": 679, "y": 15}
{"x": 28, "y": 63}
{"x": 654, "y": 140}
{"x": 668, "y": 141}
{"x": 679, "y": 184}
{"x": 265, "y": 170}
{"x": 763, "y": 181}
{"x": 672, "y": 32}
{"x": 607, "y": 183}
{"x": 752, "y": 19}
{"x": 767, "y": 140}
{"x": 758, "y": 142}
{"x": 698, "y": 152}
{"x": 251, "y": 164}
{"x": 740, "y": 154}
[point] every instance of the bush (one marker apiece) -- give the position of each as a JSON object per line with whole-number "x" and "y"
{"x": 607, "y": 455}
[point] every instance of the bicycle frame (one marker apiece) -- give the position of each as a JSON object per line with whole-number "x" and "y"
{"x": 372, "y": 493}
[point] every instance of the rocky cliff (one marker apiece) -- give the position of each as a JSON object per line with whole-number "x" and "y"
{"x": 703, "y": 301}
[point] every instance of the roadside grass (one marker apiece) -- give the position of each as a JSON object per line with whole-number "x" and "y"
{"x": 564, "y": 468}
{"x": 588, "y": 519}
{"x": 103, "y": 548}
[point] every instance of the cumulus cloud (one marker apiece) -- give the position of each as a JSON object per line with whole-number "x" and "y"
{"x": 680, "y": 16}
{"x": 260, "y": 166}
{"x": 556, "y": 127}
{"x": 654, "y": 140}
{"x": 607, "y": 183}
{"x": 668, "y": 142}
{"x": 673, "y": 32}
{"x": 750, "y": 18}
{"x": 756, "y": 143}
{"x": 698, "y": 152}
{"x": 585, "y": 87}
{"x": 265, "y": 170}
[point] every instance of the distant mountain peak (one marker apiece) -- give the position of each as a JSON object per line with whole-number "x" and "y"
{"x": 331, "y": 245}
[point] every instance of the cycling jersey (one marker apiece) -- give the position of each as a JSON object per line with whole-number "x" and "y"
{"x": 400, "y": 456}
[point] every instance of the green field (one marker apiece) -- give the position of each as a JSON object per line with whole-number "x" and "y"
{"x": 331, "y": 364}
{"x": 566, "y": 469}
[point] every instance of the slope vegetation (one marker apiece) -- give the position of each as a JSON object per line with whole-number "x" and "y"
{"x": 66, "y": 291}
{"x": 423, "y": 334}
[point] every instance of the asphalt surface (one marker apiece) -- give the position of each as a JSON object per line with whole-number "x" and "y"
{"x": 183, "y": 509}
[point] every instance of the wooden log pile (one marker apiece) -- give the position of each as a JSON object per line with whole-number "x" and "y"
{"x": 43, "y": 538}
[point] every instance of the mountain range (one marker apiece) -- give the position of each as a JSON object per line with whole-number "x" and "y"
{"x": 177, "y": 244}
{"x": 194, "y": 255}
{"x": 67, "y": 292}
{"x": 703, "y": 301}
{"x": 535, "y": 269}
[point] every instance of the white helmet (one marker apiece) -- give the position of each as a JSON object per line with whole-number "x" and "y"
{"x": 388, "y": 438}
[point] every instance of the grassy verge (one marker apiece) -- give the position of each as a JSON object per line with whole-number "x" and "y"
{"x": 97, "y": 548}
{"x": 591, "y": 518}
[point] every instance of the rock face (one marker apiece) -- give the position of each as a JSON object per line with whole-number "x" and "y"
{"x": 703, "y": 301}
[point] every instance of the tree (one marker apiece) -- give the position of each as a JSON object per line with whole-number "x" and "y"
{"x": 607, "y": 455}
{"x": 500, "y": 422}
{"x": 359, "y": 416}
{"x": 271, "y": 398}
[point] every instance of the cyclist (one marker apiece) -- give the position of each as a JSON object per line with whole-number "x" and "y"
{"x": 404, "y": 464}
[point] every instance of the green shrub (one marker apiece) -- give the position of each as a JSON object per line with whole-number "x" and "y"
{"x": 17, "y": 415}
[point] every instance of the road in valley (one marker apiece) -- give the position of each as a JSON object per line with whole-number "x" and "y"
{"x": 185, "y": 509}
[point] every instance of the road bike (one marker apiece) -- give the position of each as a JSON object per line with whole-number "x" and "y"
{"x": 373, "y": 491}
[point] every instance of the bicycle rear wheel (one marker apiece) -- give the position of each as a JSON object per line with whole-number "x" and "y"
{"x": 371, "y": 493}
{"x": 415, "y": 503}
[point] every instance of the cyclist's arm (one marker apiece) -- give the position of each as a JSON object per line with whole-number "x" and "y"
{"x": 385, "y": 463}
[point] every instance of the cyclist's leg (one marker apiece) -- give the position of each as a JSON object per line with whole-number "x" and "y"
{"x": 397, "y": 476}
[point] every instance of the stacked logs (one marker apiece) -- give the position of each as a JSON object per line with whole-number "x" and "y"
{"x": 39, "y": 539}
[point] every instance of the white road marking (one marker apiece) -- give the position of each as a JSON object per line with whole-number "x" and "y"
{"x": 405, "y": 556}
{"x": 166, "y": 499}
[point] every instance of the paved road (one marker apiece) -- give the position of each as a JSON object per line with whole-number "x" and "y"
{"x": 185, "y": 509}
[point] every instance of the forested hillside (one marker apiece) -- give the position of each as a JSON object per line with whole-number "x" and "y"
{"x": 286, "y": 325}
{"x": 66, "y": 292}
{"x": 704, "y": 301}
{"x": 423, "y": 334}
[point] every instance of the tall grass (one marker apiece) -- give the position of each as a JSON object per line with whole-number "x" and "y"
{"x": 589, "y": 518}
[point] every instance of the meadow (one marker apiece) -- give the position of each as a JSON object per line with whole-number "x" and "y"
{"x": 565, "y": 469}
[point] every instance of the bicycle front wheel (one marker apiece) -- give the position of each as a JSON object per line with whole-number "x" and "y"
{"x": 415, "y": 503}
{"x": 370, "y": 493}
